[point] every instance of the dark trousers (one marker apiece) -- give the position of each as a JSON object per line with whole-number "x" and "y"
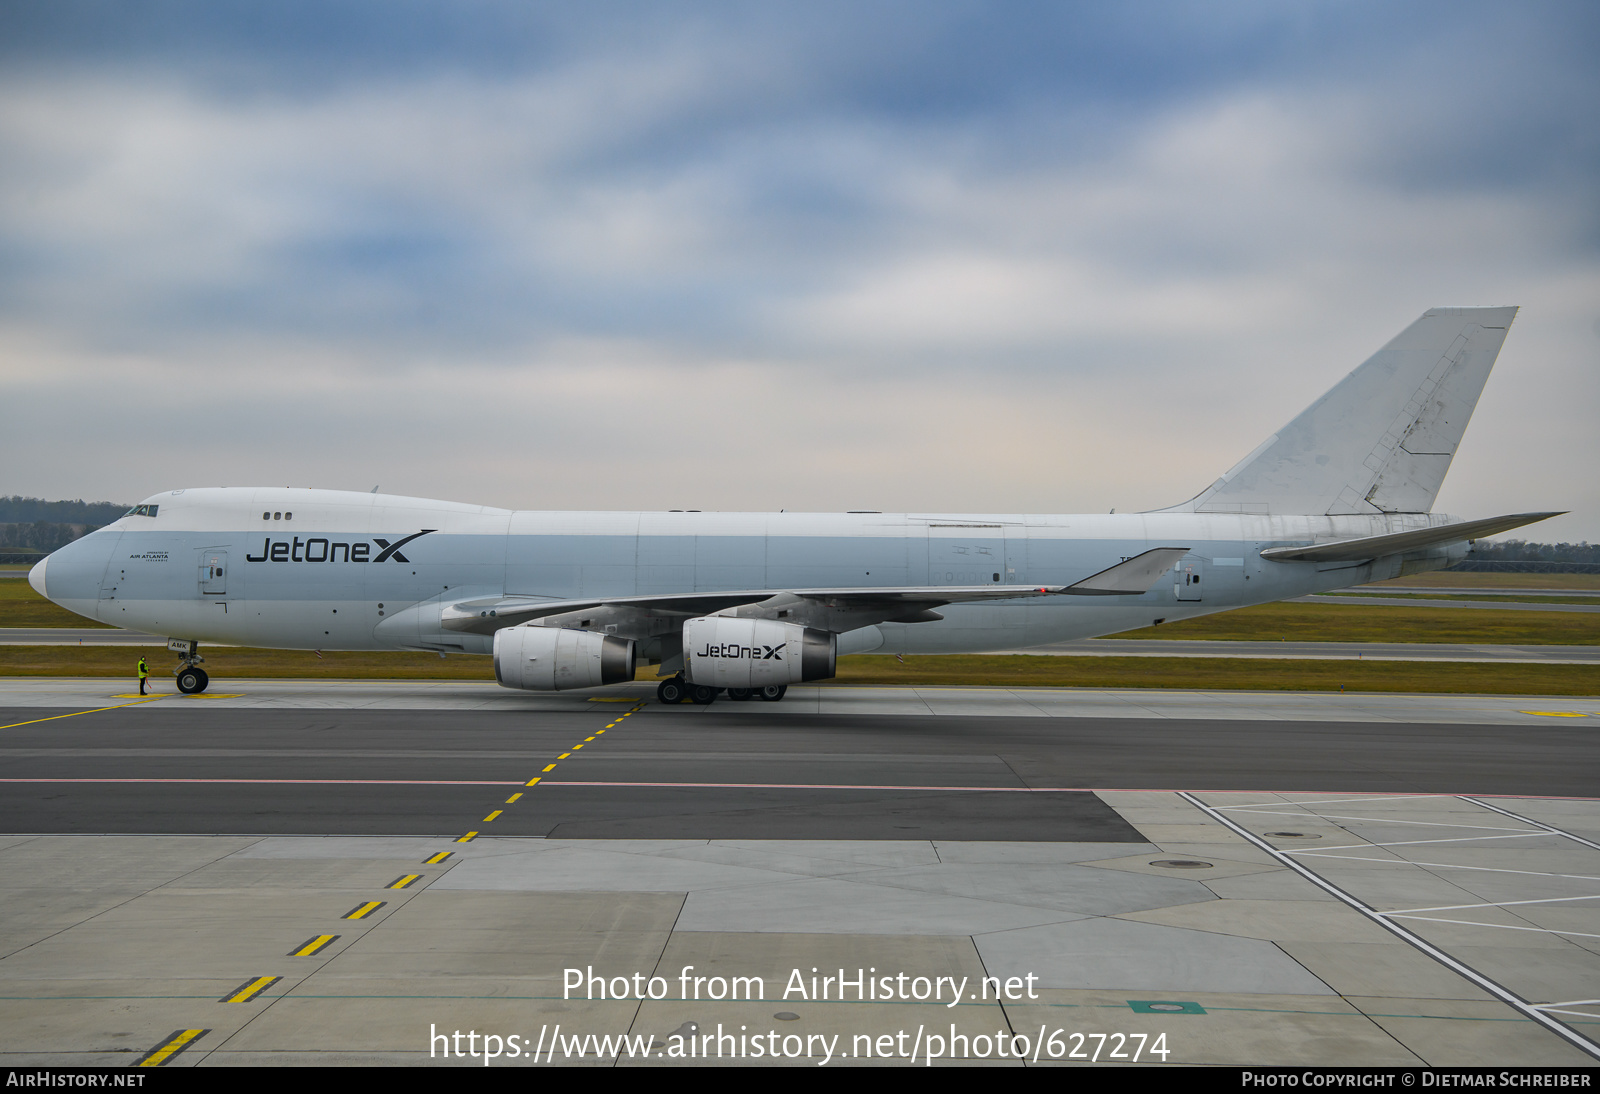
{"x": 141, "y": 685}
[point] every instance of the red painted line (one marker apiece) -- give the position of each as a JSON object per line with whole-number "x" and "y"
{"x": 293, "y": 782}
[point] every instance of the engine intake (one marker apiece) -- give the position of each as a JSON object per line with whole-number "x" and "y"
{"x": 726, "y": 652}
{"x": 556, "y": 659}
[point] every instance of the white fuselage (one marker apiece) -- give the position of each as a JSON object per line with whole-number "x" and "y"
{"x": 322, "y": 569}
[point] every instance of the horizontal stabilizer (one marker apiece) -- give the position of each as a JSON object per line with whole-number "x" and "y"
{"x": 1399, "y": 543}
{"x": 1134, "y": 577}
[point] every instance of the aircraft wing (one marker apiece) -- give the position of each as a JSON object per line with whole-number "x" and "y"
{"x": 1398, "y": 543}
{"x": 841, "y": 609}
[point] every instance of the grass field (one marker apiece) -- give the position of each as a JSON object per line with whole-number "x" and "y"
{"x": 1445, "y": 579}
{"x": 1478, "y": 598}
{"x": 227, "y": 665}
{"x": 20, "y": 606}
{"x": 1358, "y": 622}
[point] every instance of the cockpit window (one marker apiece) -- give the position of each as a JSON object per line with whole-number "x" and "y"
{"x": 142, "y": 511}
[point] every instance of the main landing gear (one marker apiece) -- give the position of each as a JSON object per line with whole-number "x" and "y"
{"x": 675, "y": 689}
{"x": 192, "y": 679}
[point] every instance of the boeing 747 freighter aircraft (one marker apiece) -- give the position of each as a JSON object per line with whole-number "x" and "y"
{"x": 748, "y": 603}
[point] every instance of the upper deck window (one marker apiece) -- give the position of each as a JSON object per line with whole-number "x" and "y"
{"x": 142, "y": 511}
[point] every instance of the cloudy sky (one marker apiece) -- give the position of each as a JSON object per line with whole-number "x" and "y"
{"x": 904, "y": 256}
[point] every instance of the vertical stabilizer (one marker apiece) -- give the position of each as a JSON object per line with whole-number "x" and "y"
{"x": 1382, "y": 439}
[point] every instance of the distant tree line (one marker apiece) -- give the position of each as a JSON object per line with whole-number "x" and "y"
{"x": 33, "y": 526}
{"x": 1518, "y": 550}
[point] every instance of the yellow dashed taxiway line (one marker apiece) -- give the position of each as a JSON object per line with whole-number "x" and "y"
{"x": 166, "y": 1050}
{"x": 435, "y": 859}
{"x": 470, "y": 836}
{"x": 251, "y": 988}
{"x": 310, "y": 946}
{"x": 361, "y": 911}
{"x": 403, "y": 881}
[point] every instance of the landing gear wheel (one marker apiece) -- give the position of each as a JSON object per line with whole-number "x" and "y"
{"x": 192, "y": 681}
{"x": 739, "y": 695}
{"x": 672, "y": 690}
{"x": 771, "y": 693}
{"x": 702, "y": 694}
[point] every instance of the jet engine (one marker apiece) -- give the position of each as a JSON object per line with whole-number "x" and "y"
{"x": 555, "y": 659}
{"x": 725, "y": 652}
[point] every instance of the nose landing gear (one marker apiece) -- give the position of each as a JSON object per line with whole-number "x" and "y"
{"x": 192, "y": 679}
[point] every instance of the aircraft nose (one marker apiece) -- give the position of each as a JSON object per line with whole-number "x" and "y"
{"x": 36, "y": 576}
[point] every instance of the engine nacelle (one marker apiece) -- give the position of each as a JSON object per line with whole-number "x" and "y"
{"x": 726, "y": 652}
{"x": 555, "y": 659}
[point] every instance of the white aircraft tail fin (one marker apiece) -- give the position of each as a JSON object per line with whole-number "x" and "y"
{"x": 1382, "y": 439}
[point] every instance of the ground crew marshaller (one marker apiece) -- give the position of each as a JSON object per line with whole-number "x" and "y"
{"x": 144, "y": 671}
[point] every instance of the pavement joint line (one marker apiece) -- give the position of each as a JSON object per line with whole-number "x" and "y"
{"x": 361, "y": 911}
{"x": 250, "y": 989}
{"x": 175, "y": 1043}
{"x": 311, "y": 946}
{"x": 1505, "y": 995}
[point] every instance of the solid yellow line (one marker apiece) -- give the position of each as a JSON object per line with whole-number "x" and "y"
{"x": 180, "y": 1040}
{"x": 440, "y": 857}
{"x": 468, "y": 838}
{"x": 96, "y": 710}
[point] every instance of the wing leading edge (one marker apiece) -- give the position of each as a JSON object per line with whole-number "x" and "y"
{"x": 837, "y": 610}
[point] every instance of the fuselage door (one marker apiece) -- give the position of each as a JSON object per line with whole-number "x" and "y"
{"x": 213, "y": 572}
{"x": 1186, "y": 584}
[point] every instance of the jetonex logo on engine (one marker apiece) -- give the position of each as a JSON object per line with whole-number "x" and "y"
{"x": 750, "y": 653}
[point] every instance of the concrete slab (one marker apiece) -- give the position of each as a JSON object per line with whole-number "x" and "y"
{"x": 1105, "y": 953}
